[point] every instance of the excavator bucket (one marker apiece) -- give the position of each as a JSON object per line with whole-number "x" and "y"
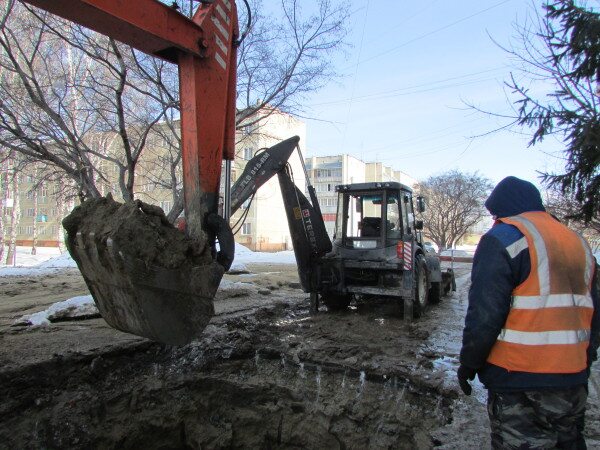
{"x": 146, "y": 277}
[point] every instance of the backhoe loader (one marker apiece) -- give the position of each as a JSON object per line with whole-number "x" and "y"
{"x": 377, "y": 248}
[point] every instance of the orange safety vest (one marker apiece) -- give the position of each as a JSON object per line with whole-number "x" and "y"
{"x": 548, "y": 327}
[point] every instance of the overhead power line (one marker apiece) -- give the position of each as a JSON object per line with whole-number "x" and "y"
{"x": 423, "y": 36}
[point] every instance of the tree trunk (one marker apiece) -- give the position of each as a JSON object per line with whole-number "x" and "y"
{"x": 60, "y": 209}
{"x": 35, "y": 222}
{"x": 15, "y": 218}
{"x": 4, "y": 184}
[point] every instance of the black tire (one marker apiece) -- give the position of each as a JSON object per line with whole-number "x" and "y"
{"x": 421, "y": 292}
{"x": 435, "y": 293}
{"x": 336, "y": 302}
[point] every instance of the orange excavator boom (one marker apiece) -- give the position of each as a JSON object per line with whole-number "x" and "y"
{"x": 145, "y": 297}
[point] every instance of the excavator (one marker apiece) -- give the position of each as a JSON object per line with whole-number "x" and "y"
{"x": 377, "y": 249}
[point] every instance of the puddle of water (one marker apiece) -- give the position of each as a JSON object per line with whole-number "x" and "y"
{"x": 290, "y": 321}
{"x": 361, "y": 383}
{"x": 401, "y": 394}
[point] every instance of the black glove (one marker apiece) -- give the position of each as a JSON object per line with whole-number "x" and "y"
{"x": 464, "y": 374}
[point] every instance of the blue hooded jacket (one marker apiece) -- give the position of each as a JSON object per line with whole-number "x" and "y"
{"x": 494, "y": 276}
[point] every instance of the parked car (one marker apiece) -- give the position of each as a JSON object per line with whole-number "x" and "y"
{"x": 430, "y": 247}
{"x": 455, "y": 253}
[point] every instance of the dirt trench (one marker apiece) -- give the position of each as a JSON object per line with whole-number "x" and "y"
{"x": 253, "y": 381}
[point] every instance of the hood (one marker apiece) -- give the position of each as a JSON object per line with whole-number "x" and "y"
{"x": 514, "y": 196}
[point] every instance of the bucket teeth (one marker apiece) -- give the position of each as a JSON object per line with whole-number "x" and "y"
{"x": 172, "y": 306}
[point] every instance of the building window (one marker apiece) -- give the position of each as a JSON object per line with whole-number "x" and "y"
{"x": 247, "y": 229}
{"x": 166, "y": 206}
{"x": 30, "y": 212}
{"x": 248, "y": 153}
{"x": 26, "y": 230}
{"x": 148, "y": 187}
{"x": 249, "y": 129}
{"x": 44, "y": 191}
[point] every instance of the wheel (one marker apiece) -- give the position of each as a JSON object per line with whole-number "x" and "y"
{"x": 435, "y": 293}
{"x": 420, "y": 274}
{"x": 336, "y": 302}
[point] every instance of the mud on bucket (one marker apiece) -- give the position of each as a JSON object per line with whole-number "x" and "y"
{"x": 146, "y": 277}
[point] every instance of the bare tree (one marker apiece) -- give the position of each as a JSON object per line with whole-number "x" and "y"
{"x": 70, "y": 85}
{"x": 63, "y": 95}
{"x": 454, "y": 205}
{"x": 285, "y": 57}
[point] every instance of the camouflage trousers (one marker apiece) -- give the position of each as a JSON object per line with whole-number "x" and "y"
{"x": 538, "y": 419}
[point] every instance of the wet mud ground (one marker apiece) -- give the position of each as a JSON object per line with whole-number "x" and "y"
{"x": 266, "y": 374}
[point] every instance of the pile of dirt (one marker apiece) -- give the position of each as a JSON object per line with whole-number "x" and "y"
{"x": 139, "y": 230}
{"x": 146, "y": 277}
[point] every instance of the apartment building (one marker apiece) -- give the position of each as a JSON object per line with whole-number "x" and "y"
{"x": 326, "y": 172}
{"x": 39, "y": 210}
{"x": 260, "y": 224}
{"x": 376, "y": 171}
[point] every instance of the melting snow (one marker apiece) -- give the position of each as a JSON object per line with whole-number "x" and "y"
{"x": 47, "y": 261}
{"x": 82, "y": 306}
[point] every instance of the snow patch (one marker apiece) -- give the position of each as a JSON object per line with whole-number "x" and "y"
{"x": 44, "y": 262}
{"x": 75, "y": 307}
{"x": 228, "y": 285}
{"x": 61, "y": 261}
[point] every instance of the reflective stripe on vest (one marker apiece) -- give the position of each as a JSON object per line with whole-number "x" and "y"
{"x": 548, "y": 327}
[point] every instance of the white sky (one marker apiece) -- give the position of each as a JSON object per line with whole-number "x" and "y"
{"x": 401, "y": 101}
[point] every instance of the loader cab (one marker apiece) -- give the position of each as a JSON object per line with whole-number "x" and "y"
{"x": 374, "y": 215}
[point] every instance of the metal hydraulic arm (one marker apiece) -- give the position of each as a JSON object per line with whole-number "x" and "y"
{"x": 305, "y": 221}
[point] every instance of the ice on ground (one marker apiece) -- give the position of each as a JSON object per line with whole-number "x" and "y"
{"x": 226, "y": 285}
{"x": 75, "y": 307}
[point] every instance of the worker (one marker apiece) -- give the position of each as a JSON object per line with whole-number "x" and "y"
{"x": 532, "y": 327}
